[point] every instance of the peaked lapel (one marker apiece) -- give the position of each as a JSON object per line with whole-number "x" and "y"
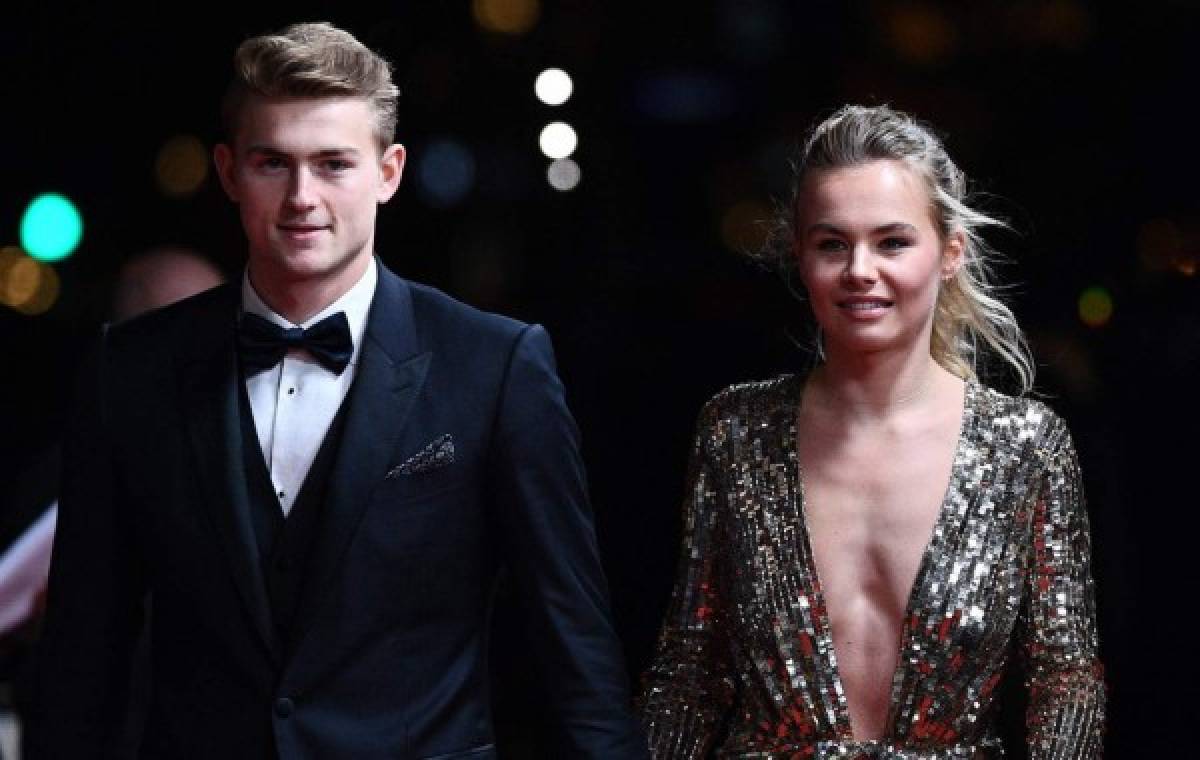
{"x": 390, "y": 374}
{"x": 209, "y": 390}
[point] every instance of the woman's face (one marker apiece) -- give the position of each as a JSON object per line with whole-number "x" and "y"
{"x": 870, "y": 256}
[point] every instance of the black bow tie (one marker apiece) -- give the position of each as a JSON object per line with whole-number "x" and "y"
{"x": 263, "y": 344}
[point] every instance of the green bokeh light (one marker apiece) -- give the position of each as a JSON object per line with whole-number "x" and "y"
{"x": 51, "y": 228}
{"x": 1095, "y": 306}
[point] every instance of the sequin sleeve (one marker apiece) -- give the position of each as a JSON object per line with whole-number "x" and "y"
{"x": 689, "y": 685}
{"x": 1064, "y": 677}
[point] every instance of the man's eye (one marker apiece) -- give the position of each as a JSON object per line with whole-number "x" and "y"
{"x": 336, "y": 165}
{"x": 272, "y": 162}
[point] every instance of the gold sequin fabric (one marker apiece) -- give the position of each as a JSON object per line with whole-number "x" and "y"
{"x": 745, "y": 665}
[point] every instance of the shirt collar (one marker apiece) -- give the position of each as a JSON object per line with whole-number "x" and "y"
{"x": 355, "y": 302}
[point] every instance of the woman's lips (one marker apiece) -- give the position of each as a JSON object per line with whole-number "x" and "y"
{"x": 865, "y": 307}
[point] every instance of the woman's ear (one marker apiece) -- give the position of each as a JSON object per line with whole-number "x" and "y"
{"x": 953, "y": 254}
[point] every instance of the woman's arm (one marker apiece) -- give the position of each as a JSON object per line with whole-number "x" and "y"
{"x": 1064, "y": 676}
{"x": 689, "y": 686}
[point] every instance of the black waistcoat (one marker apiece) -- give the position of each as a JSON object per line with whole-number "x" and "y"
{"x": 284, "y": 544}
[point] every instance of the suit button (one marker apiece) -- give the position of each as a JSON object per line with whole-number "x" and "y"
{"x": 284, "y": 707}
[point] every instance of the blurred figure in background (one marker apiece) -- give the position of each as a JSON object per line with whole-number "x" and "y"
{"x": 145, "y": 282}
{"x": 160, "y": 278}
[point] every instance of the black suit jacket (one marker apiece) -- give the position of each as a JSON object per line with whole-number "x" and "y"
{"x": 390, "y": 658}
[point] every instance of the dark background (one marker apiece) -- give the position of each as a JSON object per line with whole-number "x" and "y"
{"x": 1076, "y": 117}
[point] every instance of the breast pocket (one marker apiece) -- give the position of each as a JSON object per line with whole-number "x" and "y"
{"x": 423, "y": 490}
{"x": 425, "y": 515}
{"x": 424, "y": 486}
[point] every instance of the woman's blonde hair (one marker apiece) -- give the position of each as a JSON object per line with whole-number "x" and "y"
{"x": 970, "y": 319}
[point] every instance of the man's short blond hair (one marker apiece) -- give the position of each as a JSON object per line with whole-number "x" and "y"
{"x": 313, "y": 60}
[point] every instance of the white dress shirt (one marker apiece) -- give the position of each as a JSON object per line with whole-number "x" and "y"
{"x": 23, "y": 570}
{"x": 295, "y": 401}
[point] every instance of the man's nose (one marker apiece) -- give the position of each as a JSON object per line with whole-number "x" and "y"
{"x": 301, "y": 189}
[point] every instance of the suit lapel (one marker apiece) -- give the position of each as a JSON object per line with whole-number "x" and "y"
{"x": 210, "y": 407}
{"x": 389, "y": 376}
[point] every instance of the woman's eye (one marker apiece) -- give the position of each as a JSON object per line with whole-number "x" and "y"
{"x": 894, "y": 243}
{"x": 830, "y": 245}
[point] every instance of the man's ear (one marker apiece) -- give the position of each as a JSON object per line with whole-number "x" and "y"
{"x": 391, "y": 169}
{"x": 224, "y": 161}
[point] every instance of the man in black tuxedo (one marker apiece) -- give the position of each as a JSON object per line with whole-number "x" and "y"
{"x": 316, "y": 474}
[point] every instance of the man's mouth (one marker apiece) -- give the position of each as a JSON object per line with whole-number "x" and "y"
{"x": 302, "y": 227}
{"x": 301, "y": 232}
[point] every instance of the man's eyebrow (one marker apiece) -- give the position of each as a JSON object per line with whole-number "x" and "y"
{"x": 267, "y": 150}
{"x": 270, "y": 150}
{"x": 346, "y": 151}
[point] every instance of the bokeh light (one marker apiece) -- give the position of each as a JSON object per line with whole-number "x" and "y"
{"x": 8, "y": 255}
{"x": 1095, "y": 306}
{"x": 553, "y": 87}
{"x": 1185, "y": 264}
{"x": 558, "y": 140}
{"x": 512, "y": 17}
{"x": 26, "y": 284}
{"x": 921, "y": 33}
{"x": 1065, "y": 23}
{"x": 445, "y": 173}
{"x": 181, "y": 166}
{"x": 51, "y": 227}
{"x": 563, "y": 175}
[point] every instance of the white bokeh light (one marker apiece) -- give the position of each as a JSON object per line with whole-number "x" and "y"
{"x": 558, "y": 140}
{"x": 563, "y": 175}
{"x": 553, "y": 87}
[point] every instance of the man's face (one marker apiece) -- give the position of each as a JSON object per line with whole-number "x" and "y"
{"x": 307, "y": 175}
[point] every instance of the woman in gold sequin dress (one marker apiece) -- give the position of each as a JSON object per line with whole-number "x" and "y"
{"x": 867, "y": 549}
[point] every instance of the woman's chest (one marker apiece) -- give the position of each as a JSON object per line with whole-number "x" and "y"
{"x": 952, "y": 568}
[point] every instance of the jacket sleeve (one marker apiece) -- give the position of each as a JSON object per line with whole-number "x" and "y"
{"x": 689, "y": 686}
{"x": 94, "y": 597}
{"x": 549, "y": 544}
{"x": 1064, "y": 677}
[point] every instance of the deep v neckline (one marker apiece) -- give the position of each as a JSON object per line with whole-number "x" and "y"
{"x": 937, "y": 530}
